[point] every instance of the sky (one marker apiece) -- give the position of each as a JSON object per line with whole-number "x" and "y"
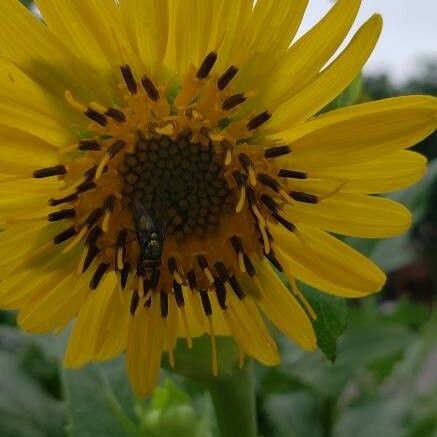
{"x": 409, "y": 33}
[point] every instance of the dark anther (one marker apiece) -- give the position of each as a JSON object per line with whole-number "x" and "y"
{"x": 245, "y": 161}
{"x": 57, "y": 170}
{"x": 86, "y": 186}
{"x": 129, "y": 79}
{"x": 251, "y": 196}
{"x": 207, "y": 65}
{"x": 236, "y": 287}
{"x": 90, "y": 257}
{"x": 61, "y": 215}
{"x": 291, "y": 174}
{"x": 154, "y": 279}
{"x": 150, "y": 89}
{"x": 192, "y": 282}
{"x": 304, "y": 197}
{"x": 97, "y": 117}
{"x": 110, "y": 203}
{"x": 275, "y": 152}
{"x": 226, "y": 77}
{"x": 91, "y": 172}
{"x": 89, "y": 145}
{"x": 268, "y": 181}
{"x": 164, "y": 304}
{"x": 206, "y": 303}
{"x": 272, "y": 258}
{"x": 288, "y": 225}
{"x": 124, "y": 274}
{"x": 98, "y": 275}
{"x": 221, "y": 293}
{"x": 178, "y": 295}
{"x": 116, "y": 115}
{"x": 93, "y": 236}
{"x": 65, "y": 235}
{"x": 148, "y": 303}
{"x": 258, "y": 120}
{"x": 135, "y": 300}
{"x": 121, "y": 238}
{"x": 172, "y": 265}
{"x": 115, "y": 148}
{"x": 233, "y": 101}
{"x": 269, "y": 202}
{"x": 203, "y": 263}
{"x": 222, "y": 271}
{"x": 94, "y": 217}
{"x": 250, "y": 269}
{"x": 56, "y": 202}
{"x": 237, "y": 244}
{"x": 240, "y": 178}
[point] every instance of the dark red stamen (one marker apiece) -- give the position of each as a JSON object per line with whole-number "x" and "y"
{"x": 291, "y": 174}
{"x": 129, "y": 79}
{"x": 226, "y": 77}
{"x": 207, "y": 65}
{"x": 57, "y": 170}
{"x": 98, "y": 275}
{"x": 275, "y": 152}
{"x": 233, "y": 101}
{"x": 61, "y": 215}
{"x": 150, "y": 89}
{"x": 258, "y": 120}
{"x": 65, "y": 235}
{"x": 97, "y": 117}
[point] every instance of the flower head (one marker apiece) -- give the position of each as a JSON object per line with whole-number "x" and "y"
{"x": 160, "y": 159}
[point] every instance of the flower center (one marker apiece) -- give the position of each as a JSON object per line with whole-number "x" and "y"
{"x": 180, "y": 182}
{"x": 174, "y": 193}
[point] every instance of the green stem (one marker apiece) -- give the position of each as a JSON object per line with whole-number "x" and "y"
{"x": 234, "y": 401}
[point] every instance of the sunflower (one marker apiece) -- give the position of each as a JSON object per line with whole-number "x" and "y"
{"x": 161, "y": 160}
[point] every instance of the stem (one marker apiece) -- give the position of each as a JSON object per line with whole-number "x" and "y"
{"x": 234, "y": 401}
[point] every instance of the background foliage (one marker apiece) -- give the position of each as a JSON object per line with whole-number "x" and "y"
{"x": 374, "y": 375}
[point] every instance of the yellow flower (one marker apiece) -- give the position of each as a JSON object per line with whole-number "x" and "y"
{"x": 158, "y": 157}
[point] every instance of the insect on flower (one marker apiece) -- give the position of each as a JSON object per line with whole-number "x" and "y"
{"x": 150, "y": 235}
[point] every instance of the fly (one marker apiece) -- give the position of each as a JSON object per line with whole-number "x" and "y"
{"x": 150, "y": 234}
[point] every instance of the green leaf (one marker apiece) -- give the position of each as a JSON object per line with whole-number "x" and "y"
{"x": 27, "y": 409}
{"x": 100, "y": 401}
{"x": 331, "y": 319}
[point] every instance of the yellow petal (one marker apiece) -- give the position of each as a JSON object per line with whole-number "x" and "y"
{"x": 17, "y": 147}
{"x": 282, "y": 308}
{"x": 147, "y": 26}
{"x": 355, "y": 215}
{"x": 16, "y": 290}
{"x": 250, "y": 331}
{"x": 392, "y": 172}
{"x": 361, "y": 133}
{"x": 264, "y": 49}
{"x": 64, "y": 20}
{"x": 144, "y": 348}
{"x": 26, "y": 106}
{"x": 297, "y": 68}
{"x": 25, "y": 195}
{"x": 112, "y": 336}
{"x": 317, "y": 258}
{"x": 190, "y": 24}
{"x": 46, "y": 60}
{"x": 331, "y": 81}
{"x": 82, "y": 342}
{"x": 59, "y": 304}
